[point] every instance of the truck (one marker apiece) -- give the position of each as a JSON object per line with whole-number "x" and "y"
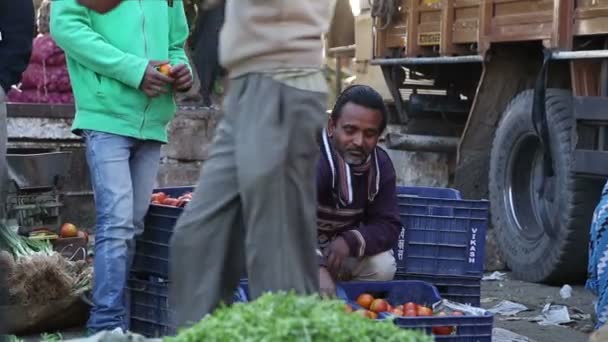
{"x": 517, "y": 92}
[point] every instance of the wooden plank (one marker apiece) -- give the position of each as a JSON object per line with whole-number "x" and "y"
{"x": 446, "y": 45}
{"x": 590, "y": 20}
{"x": 429, "y": 24}
{"x": 466, "y": 22}
{"x": 485, "y": 26}
{"x": 412, "y": 47}
{"x": 585, "y": 77}
{"x": 523, "y": 19}
{"x": 561, "y": 35}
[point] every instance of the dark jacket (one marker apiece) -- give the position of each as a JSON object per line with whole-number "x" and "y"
{"x": 368, "y": 227}
{"x": 16, "y": 34}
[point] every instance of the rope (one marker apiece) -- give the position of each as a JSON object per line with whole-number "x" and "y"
{"x": 384, "y": 9}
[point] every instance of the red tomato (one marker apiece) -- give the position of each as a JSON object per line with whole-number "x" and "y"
{"x": 410, "y": 306}
{"x": 158, "y": 197}
{"x": 442, "y": 330}
{"x": 410, "y": 313}
{"x": 424, "y": 311}
{"x": 174, "y": 202}
{"x": 365, "y": 300}
{"x": 397, "y": 312}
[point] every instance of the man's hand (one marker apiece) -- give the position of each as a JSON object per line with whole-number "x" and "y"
{"x": 182, "y": 76}
{"x": 154, "y": 82}
{"x": 336, "y": 252}
{"x": 327, "y": 286}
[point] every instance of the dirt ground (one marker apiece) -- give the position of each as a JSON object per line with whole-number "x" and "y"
{"x": 535, "y": 296}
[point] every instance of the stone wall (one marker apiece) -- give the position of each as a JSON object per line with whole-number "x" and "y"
{"x": 191, "y": 133}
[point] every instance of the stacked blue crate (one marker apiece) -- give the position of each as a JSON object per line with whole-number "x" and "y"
{"x": 442, "y": 241}
{"x": 152, "y": 246}
{"x": 149, "y": 312}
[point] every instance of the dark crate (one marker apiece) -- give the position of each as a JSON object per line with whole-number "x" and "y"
{"x": 397, "y": 292}
{"x": 440, "y": 236}
{"x": 152, "y": 246}
{"x": 149, "y": 312}
{"x": 465, "y": 290}
{"x": 466, "y": 328}
{"x": 428, "y": 192}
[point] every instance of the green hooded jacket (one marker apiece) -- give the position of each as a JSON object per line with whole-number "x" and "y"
{"x": 107, "y": 55}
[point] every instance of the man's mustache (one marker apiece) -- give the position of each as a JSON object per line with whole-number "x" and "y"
{"x": 356, "y": 150}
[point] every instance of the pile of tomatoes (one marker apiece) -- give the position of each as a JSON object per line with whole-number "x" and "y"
{"x": 371, "y": 307}
{"x": 160, "y": 198}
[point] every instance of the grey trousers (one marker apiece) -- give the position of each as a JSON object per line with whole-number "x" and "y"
{"x": 255, "y": 203}
{"x": 3, "y": 143}
{"x": 3, "y": 272}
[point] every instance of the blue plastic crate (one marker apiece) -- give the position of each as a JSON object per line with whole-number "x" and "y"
{"x": 148, "y": 309}
{"x": 152, "y": 246}
{"x": 465, "y": 290}
{"x": 440, "y": 236}
{"x": 397, "y": 292}
{"x": 149, "y": 313}
{"x": 427, "y": 192}
{"x": 466, "y": 328}
{"x": 446, "y": 211}
{"x": 442, "y": 202}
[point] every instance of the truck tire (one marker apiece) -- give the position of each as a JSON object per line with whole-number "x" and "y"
{"x": 542, "y": 239}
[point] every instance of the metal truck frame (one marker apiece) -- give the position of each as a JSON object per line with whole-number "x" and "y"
{"x": 522, "y": 85}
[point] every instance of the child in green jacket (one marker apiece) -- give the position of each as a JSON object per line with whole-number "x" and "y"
{"x": 123, "y": 105}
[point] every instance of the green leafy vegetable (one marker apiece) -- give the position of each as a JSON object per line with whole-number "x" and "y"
{"x": 288, "y": 317}
{"x": 21, "y": 247}
{"x": 54, "y": 337}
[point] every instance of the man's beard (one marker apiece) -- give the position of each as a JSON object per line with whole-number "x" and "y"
{"x": 355, "y": 160}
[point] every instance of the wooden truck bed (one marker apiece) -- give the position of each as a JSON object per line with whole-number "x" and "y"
{"x": 468, "y": 27}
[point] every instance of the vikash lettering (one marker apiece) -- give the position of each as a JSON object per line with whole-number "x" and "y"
{"x": 401, "y": 244}
{"x": 473, "y": 246}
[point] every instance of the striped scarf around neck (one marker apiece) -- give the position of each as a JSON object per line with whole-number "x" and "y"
{"x": 342, "y": 173}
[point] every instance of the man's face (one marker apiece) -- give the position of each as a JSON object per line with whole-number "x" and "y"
{"x": 356, "y": 133}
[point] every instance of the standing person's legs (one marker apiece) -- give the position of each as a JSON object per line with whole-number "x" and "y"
{"x": 144, "y": 163}
{"x": 277, "y": 154}
{"x": 3, "y": 165}
{"x": 207, "y": 254}
{"x": 206, "y": 50}
{"x": 108, "y": 158}
{"x": 3, "y": 138}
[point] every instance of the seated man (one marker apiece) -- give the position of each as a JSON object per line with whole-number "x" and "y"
{"x": 358, "y": 217}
